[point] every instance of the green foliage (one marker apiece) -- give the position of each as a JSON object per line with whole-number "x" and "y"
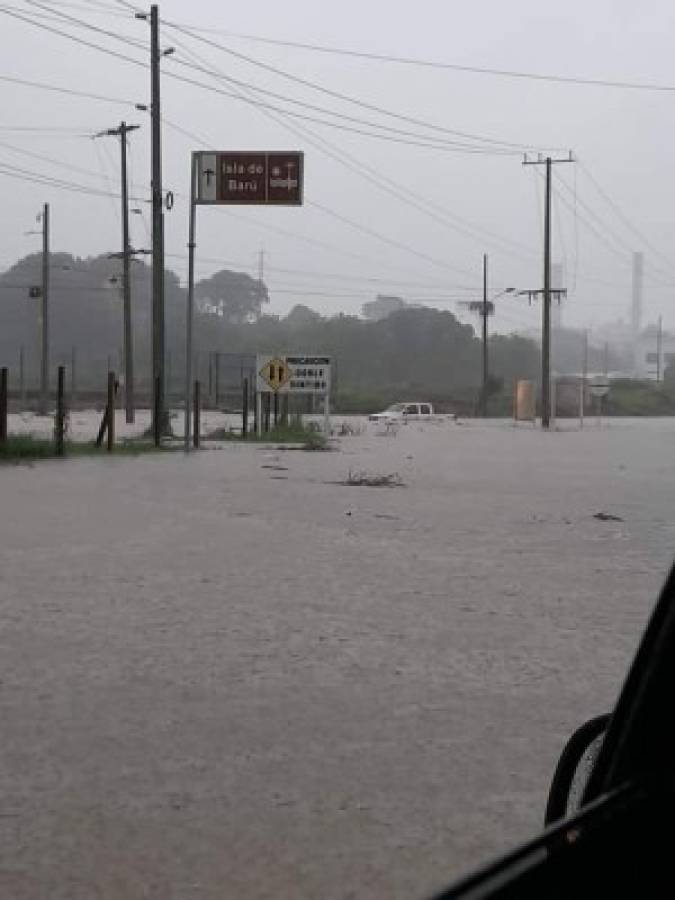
{"x": 235, "y": 296}
{"x": 412, "y": 353}
{"x": 27, "y": 447}
{"x": 292, "y": 433}
{"x": 640, "y": 398}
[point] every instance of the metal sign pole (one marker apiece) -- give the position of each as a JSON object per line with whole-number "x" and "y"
{"x": 326, "y": 414}
{"x": 190, "y": 297}
{"x": 258, "y": 413}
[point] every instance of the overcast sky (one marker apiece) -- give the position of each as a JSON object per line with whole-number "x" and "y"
{"x": 622, "y": 139}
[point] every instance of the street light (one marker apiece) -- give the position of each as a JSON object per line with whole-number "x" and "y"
{"x": 485, "y": 308}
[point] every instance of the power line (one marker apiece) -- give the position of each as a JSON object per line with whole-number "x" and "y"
{"x": 41, "y": 85}
{"x": 626, "y": 247}
{"x": 435, "y": 64}
{"x": 81, "y": 23}
{"x": 38, "y": 177}
{"x": 431, "y": 143}
{"x": 353, "y": 100}
{"x": 78, "y": 40}
{"x": 319, "y": 275}
{"x": 624, "y": 219}
{"x": 428, "y": 141}
{"x": 46, "y": 130}
{"x": 393, "y": 188}
{"x": 380, "y": 237}
{"x": 55, "y": 162}
{"x": 499, "y": 146}
{"x": 363, "y": 170}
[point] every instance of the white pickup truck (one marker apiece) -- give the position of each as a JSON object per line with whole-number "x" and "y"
{"x": 404, "y": 412}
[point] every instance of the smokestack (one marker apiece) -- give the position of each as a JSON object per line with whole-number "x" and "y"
{"x": 636, "y": 310}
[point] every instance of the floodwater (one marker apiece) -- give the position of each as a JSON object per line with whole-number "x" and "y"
{"x": 228, "y": 674}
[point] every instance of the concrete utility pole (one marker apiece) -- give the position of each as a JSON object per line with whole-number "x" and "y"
{"x": 44, "y": 372}
{"x": 158, "y": 319}
{"x": 157, "y": 217}
{"x": 636, "y": 310}
{"x": 126, "y": 255}
{"x": 584, "y": 374}
{"x": 546, "y": 308}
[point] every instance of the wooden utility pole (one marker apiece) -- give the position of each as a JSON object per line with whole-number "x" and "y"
{"x": 44, "y": 371}
{"x": 125, "y": 255}
{"x": 546, "y": 308}
{"x": 123, "y": 130}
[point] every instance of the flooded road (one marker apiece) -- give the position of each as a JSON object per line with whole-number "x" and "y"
{"x": 232, "y": 675}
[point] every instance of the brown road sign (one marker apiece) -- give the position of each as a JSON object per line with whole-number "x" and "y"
{"x": 250, "y": 178}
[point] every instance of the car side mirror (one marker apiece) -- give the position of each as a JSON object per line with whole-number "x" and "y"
{"x": 574, "y": 769}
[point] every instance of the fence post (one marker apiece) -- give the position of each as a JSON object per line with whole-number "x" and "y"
{"x": 73, "y": 377}
{"x": 3, "y": 405}
{"x": 22, "y": 377}
{"x": 157, "y": 425}
{"x": 195, "y": 415}
{"x": 60, "y": 411}
{"x": 244, "y": 410}
{"x": 111, "y": 411}
{"x": 266, "y": 418}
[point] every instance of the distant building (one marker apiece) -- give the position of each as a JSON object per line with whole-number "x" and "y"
{"x": 647, "y": 362}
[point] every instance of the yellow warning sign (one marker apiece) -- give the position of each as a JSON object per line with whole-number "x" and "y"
{"x": 275, "y": 373}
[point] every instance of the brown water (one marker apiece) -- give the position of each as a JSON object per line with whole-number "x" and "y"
{"x": 225, "y": 675}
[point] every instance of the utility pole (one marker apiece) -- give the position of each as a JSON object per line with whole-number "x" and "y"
{"x": 546, "y": 308}
{"x": 659, "y": 346}
{"x": 484, "y": 314}
{"x": 44, "y": 373}
{"x": 126, "y": 254}
{"x": 158, "y": 326}
{"x": 485, "y": 308}
{"x": 584, "y": 373}
{"x": 157, "y": 217}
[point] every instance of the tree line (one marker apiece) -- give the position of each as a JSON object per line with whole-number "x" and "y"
{"x": 415, "y": 352}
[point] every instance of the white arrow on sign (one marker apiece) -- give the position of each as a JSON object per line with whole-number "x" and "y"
{"x": 207, "y": 181}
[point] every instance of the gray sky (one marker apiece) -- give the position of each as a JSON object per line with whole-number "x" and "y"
{"x": 622, "y": 139}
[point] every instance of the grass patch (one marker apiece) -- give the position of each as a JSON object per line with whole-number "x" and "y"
{"x": 309, "y": 437}
{"x": 28, "y": 447}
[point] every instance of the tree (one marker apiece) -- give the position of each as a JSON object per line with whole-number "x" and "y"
{"x": 381, "y": 307}
{"x": 234, "y": 296}
{"x": 302, "y": 316}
